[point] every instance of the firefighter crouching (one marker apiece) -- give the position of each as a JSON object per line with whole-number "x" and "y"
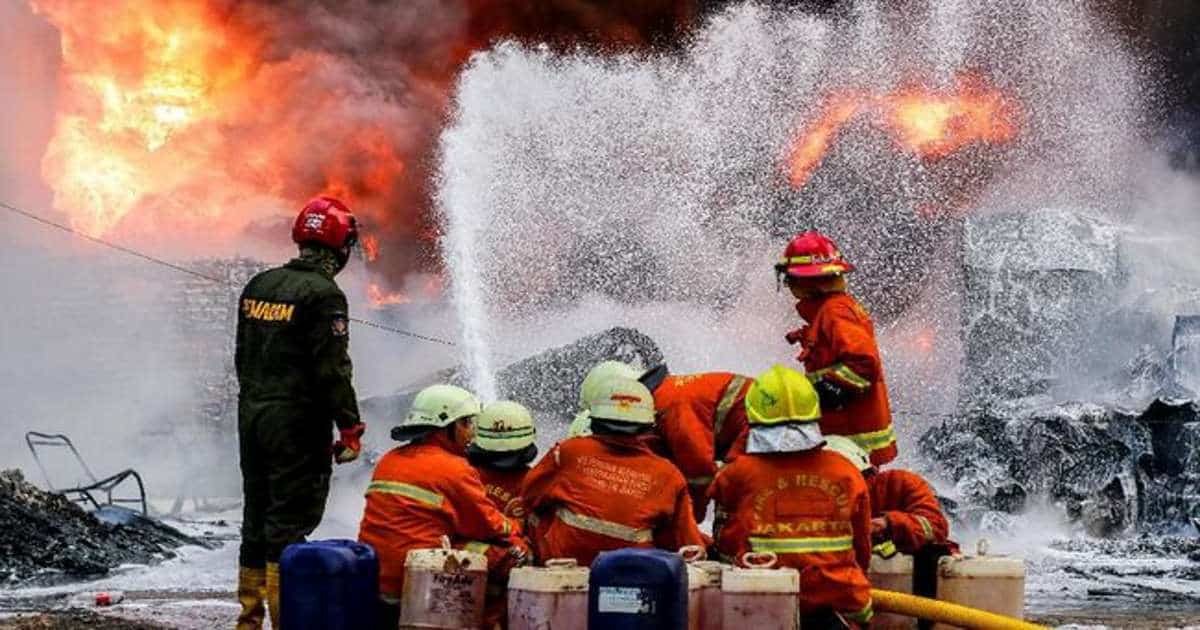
{"x": 905, "y": 513}
{"x": 608, "y": 491}
{"x": 702, "y": 421}
{"x": 789, "y": 496}
{"x": 426, "y": 489}
{"x": 294, "y": 376}
{"x": 838, "y": 346}
{"x": 501, "y": 451}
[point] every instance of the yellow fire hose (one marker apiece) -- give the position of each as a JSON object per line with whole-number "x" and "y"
{"x": 945, "y": 612}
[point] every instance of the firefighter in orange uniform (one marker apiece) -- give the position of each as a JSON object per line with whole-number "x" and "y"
{"x": 608, "y": 491}
{"x": 838, "y": 346}
{"x": 788, "y": 496}
{"x": 702, "y": 421}
{"x": 426, "y": 489}
{"x": 501, "y": 451}
{"x": 906, "y": 515}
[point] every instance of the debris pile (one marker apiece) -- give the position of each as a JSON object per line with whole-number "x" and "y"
{"x": 45, "y": 538}
{"x": 548, "y": 382}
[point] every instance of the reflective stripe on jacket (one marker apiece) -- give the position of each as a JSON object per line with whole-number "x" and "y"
{"x": 600, "y": 493}
{"x": 839, "y": 345}
{"x": 811, "y": 508}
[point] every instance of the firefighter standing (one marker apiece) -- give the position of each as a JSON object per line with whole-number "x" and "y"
{"x": 294, "y": 375}
{"x": 608, "y": 491}
{"x": 905, "y": 513}
{"x": 788, "y": 496}
{"x": 426, "y": 489}
{"x": 702, "y": 421}
{"x": 838, "y": 346}
{"x": 501, "y": 451}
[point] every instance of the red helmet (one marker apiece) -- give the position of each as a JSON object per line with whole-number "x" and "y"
{"x": 812, "y": 255}
{"x": 326, "y": 221}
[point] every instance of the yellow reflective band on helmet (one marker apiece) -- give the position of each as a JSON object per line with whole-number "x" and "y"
{"x": 862, "y": 616}
{"x": 604, "y": 528}
{"x": 926, "y": 527}
{"x": 728, "y": 398}
{"x": 477, "y": 547}
{"x": 802, "y": 545}
{"x": 875, "y": 440}
{"x": 415, "y": 493}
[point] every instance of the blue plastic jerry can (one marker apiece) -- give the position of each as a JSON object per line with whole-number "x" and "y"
{"x": 640, "y": 589}
{"x": 328, "y": 585}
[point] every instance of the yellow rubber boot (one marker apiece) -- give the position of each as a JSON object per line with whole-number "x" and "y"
{"x": 251, "y": 590}
{"x": 273, "y": 593}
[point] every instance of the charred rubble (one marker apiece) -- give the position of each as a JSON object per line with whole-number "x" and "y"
{"x": 46, "y": 538}
{"x": 1043, "y": 414}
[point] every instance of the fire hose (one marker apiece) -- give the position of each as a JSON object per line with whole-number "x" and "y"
{"x": 945, "y": 612}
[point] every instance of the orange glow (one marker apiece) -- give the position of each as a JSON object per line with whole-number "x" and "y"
{"x": 380, "y": 298}
{"x": 928, "y": 123}
{"x": 370, "y": 246}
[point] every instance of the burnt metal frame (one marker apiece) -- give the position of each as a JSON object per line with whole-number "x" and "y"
{"x": 83, "y": 494}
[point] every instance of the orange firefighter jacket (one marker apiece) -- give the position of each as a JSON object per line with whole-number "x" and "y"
{"x": 912, "y": 510}
{"x": 600, "y": 493}
{"x": 504, "y": 489}
{"x": 419, "y": 493}
{"x": 702, "y": 420}
{"x": 839, "y": 345}
{"x": 811, "y": 508}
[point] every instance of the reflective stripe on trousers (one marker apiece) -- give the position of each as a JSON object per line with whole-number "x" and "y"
{"x": 604, "y": 528}
{"x": 802, "y": 545}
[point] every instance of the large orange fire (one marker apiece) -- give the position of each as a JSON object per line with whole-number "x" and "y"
{"x": 928, "y": 123}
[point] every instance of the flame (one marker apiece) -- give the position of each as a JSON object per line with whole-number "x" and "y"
{"x": 135, "y": 76}
{"x": 930, "y": 124}
{"x": 380, "y": 298}
{"x": 370, "y": 246}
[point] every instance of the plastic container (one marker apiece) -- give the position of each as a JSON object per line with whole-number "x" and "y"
{"x": 892, "y": 574}
{"x": 443, "y": 588}
{"x": 995, "y": 583}
{"x": 328, "y": 584}
{"x": 554, "y": 596}
{"x": 638, "y": 589}
{"x": 711, "y": 607}
{"x": 760, "y": 597}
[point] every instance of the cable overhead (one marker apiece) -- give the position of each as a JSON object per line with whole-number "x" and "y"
{"x": 192, "y": 272}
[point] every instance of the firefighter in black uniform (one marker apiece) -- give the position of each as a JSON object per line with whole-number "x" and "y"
{"x": 294, "y": 372}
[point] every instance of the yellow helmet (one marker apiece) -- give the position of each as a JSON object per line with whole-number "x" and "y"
{"x": 504, "y": 426}
{"x": 622, "y": 400}
{"x": 434, "y": 407}
{"x": 847, "y": 448}
{"x": 581, "y": 425}
{"x": 781, "y": 396}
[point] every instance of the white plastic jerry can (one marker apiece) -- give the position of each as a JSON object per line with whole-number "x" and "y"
{"x": 760, "y": 596}
{"x": 711, "y": 603}
{"x": 548, "y": 598}
{"x": 443, "y": 588}
{"x": 894, "y": 573}
{"x": 995, "y": 583}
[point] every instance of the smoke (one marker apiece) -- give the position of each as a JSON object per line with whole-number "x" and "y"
{"x": 648, "y": 191}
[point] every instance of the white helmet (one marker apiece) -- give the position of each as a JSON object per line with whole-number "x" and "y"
{"x": 581, "y": 425}
{"x": 847, "y": 448}
{"x": 435, "y": 407}
{"x": 504, "y": 426}
{"x": 622, "y": 400}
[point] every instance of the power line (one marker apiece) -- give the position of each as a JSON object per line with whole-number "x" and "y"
{"x": 192, "y": 272}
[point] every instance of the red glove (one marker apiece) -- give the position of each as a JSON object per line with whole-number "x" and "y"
{"x": 349, "y": 445}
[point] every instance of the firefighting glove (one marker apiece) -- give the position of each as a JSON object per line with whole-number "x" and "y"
{"x": 832, "y": 395}
{"x": 347, "y": 448}
{"x": 796, "y": 336}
